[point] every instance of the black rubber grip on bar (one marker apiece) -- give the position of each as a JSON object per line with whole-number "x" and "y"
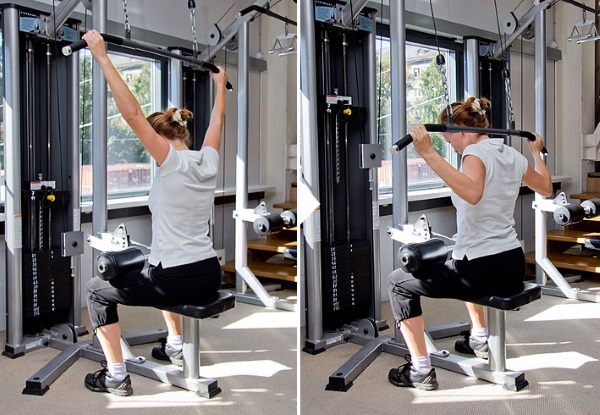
{"x": 74, "y": 47}
{"x": 214, "y": 69}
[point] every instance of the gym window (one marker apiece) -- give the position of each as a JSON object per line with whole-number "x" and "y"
{"x": 129, "y": 166}
{"x": 425, "y": 97}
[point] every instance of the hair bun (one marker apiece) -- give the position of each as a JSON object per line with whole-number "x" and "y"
{"x": 177, "y": 117}
{"x": 477, "y": 107}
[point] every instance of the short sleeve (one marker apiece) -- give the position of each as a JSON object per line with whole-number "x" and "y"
{"x": 171, "y": 162}
{"x": 208, "y": 162}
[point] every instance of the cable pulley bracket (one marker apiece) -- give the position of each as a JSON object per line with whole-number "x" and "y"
{"x": 509, "y": 24}
{"x": 116, "y": 240}
{"x": 550, "y": 205}
{"x": 420, "y": 231}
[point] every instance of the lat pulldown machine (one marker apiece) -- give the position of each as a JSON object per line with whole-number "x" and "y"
{"x": 66, "y": 335}
{"x": 343, "y": 292}
{"x": 495, "y": 371}
{"x": 43, "y": 238}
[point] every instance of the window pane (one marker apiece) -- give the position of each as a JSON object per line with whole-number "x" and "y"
{"x": 425, "y": 97}
{"x": 129, "y": 164}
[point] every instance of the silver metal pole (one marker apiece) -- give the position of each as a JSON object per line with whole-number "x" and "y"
{"x": 175, "y": 80}
{"x": 191, "y": 347}
{"x": 241, "y": 168}
{"x": 311, "y": 271}
{"x": 74, "y": 157}
{"x": 496, "y": 320}
{"x": 29, "y": 135}
{"x": 99, "y": 131}
{"x": 48, "y": 118}
{"x": 12, "y": 168}
{"x": 540, "y": 127}
{"x": 244, "y": 275}
{"x": 373, "y": 177}
{"x": 398, "y": 69}
{"x": 471, "y": 67}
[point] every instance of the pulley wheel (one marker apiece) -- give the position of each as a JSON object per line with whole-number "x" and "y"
{"x": 213, "y": 35}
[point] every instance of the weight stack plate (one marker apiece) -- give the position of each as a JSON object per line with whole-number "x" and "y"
{"x": 47, "y": 286}
{"x": 346, "y": 282}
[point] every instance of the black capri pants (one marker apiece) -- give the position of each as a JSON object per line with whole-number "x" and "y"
{"x": 498, "y": 274}
{"x": 155, "y": 286}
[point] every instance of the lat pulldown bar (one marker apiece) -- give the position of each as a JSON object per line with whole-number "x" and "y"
{"x": 443, "y": 128}
{"x": 119, "y": 41}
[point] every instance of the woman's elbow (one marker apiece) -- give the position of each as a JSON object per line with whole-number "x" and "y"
{"x": 545, "y": 189}
{"x": 547, "y": 192}
{"x": 132, "y": 115}
{"x": 473, "y": 198}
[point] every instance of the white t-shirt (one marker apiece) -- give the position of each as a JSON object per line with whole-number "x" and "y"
{"x": 181, "y": 200}
{"x": 487, "y": 228}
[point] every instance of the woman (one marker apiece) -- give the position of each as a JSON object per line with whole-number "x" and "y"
{"x": 487, "y": 257}
{"x": 183, "y": 263}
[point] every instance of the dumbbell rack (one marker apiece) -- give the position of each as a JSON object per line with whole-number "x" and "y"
{"x": 561, "y": 251}
{"x": 265, "y": 255}
{"x": 562, "y": 241}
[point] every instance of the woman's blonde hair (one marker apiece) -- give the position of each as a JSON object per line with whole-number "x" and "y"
{"x": 471, "y": 113}
{"x": 172, "y": 124}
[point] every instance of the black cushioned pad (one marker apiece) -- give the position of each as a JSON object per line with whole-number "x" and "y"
{"x": 530, "y": 293}
{"x": 208, "y": 307}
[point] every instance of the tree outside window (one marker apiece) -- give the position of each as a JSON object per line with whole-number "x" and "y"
{"x": 129, "y": 164}
{"x": 425, "y": 98}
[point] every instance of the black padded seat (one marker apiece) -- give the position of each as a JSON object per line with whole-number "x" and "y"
{"x": 531, "y": 292}
{"x": 208, "y": 307}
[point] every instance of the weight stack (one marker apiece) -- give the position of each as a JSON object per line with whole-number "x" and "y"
{"x": 47, "y": 287}
{"x": 346, "y": 282}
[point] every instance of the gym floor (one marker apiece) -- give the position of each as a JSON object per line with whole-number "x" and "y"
{"x": 250, "y": 350}
{"x": 555, "y": 341}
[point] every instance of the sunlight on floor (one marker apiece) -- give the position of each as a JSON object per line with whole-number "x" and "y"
{"x": 266, "y": 320}
{"x": 262, "y": 368}
{"x": 474, "y": 393}
{"x": 170, "y": 399}
{"x": 558, "y": 382}
{"x": 539, "y": 344}
{"x": 579, "y": 311}
{"x": 255, "y": 390}
{"x": 565, "y": 360}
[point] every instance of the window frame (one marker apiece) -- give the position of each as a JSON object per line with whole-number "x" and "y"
{"x": 456, "y": 47}
{"x": 159, "y": 78}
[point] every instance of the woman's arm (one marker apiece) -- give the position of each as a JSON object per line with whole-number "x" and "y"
{"x": 468, "y": 184}
{"x": 130, "y": 109}
{"x": 212, "y": 138}
{"x": 539, "y": 179}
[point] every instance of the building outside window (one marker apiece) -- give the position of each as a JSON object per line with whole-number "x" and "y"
{"x": 129, "y": 169}
{"x": 425, "y": 98}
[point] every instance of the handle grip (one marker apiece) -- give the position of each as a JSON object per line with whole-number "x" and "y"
{"x": 74, "y": 47}
{"x": 214, "y": 69}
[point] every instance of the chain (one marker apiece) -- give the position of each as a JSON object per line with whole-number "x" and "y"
{"x": 193, "y": 24}
{"x": 441, "y": 65}
{"x": 126, "y": 22}
{"x": 511, "y": 113}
